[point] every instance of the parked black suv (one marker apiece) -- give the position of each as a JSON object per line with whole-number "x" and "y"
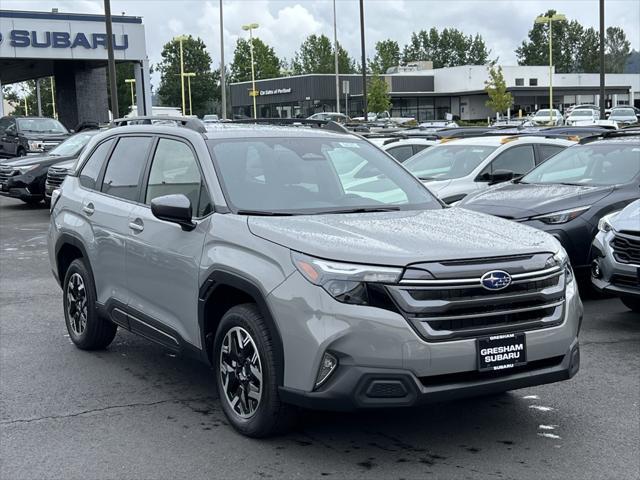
{"x": 568, "y": 194}
{"x": 24, "y": 178}
{"x": 22, "y": 135}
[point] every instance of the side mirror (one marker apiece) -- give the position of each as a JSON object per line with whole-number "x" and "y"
{"x": 175, "y": 209}
{"x": 500, "y": 176}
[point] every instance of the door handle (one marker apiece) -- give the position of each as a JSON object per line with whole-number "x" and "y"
{"x": 89, "y": 209}
{"x": 136, "y": 225}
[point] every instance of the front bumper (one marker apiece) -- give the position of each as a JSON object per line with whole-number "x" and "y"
{"x": 23, "y": 187}
{"x": 621, "y": 279}
{"x": 574, "y": 236}
{"x": 356, "y": 387}
{"x": 373, "y": 344}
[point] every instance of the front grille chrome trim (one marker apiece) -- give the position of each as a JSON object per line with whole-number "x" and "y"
{"x": 494, "y": 313}
{"x": 549, "y": 272}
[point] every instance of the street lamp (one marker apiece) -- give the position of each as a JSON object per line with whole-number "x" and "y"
{"x": 251, "y": 27}
{"x": 189, "y": 75}
{"x": 556, "y": 17}
{"x": 184, "y": 107}
{"x": 131, "y": 82}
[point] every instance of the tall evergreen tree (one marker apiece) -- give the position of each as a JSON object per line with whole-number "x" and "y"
{"x": 387, "y": 56}
{"x": 449, "y": 48}
{"x": 316, "y": 55}
{"x": 266, "y": 62}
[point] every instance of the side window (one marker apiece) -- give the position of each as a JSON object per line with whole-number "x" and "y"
{"x": 401, "y": 152}
{"x": 92, "y": 167}
{"x": 122, "y": 177}
{"x": 419, "y": 148}
{"x": 175, "y": 170}
{"x": 518, "y": 160}
{"x": 547, "y": 151}
{"x": 4, "y": 123}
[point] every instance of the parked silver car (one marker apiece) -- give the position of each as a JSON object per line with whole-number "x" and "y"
{"x": 616, "y": 251}
{"x": 250, "y": 249}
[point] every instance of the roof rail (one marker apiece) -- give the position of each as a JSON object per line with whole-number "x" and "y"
{"x": 622, "y": 133}
{"x": 296, "y": 122}
{"x": 186, "y": 122}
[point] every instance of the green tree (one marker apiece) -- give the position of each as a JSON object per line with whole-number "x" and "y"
{"x": 575, "y": 48}
{"x": 15, "y": 95}
{"x": 448, "y": 48}
{"x": 316, "y": 55}
{"x": 266, "y": 62}
{"x": 205, "y": 88}
{"x": 387, "y": 56}
{"x": 496, "y": 87}
{"x": 617, "y": 50}
{"x": 378, "y": 98}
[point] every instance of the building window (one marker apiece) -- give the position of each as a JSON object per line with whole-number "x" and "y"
{"x": 519, "y": 82}
{"x": 533, "y": 82}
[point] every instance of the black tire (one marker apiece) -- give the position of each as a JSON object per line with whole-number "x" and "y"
{"x": 32, "y": 201}
{"x": 97, "y": 333}
{"x": 271, "y": 416}
{"x": 20, "y": 152}
{"x": 632, "y": 303}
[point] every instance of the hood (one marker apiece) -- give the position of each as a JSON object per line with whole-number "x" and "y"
{"x": 522, "y": 200}
{"x": 628, "y": 219}
{"x": 66, "y": 165}
{"x": 401, "y": 238}
{"x": 45, "y": 136}
{"x": 436, "y": 185}
{"x": 36, "y": 159}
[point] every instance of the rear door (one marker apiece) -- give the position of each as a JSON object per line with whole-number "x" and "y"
{"x": 163, "y": 261}
{"x": 9, "y": 137}
{"x": 106, "y": 204}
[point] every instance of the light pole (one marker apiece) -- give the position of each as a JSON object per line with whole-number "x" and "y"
{"x": 184, "y": 107}
{"x": 111, "y": 63}
{"x": 251, "y": 27}
{"x": 364, "y": 64}
{"x": 189, "y": 75}
{"x": 602, "y": 66}
{"x": 335, "y": 57}
{"x": 53, "y": 97}
{"x": 131, "y": 82}
{"x": 556, "y": 17}
{"x": 223, "y": 87}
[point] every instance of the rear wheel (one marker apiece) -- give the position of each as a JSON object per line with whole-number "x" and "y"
{"x": 632, "y": 303}
{"x": 32, "y": 201}
{"x": 20, "y": 152}
{"x": 245, "y": 364}
{"x": 86, "y": 329}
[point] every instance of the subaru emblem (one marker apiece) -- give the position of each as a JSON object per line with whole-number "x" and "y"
{"x": 495, "y": 280}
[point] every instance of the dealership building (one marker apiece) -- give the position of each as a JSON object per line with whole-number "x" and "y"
{"x": 428, "y": 93}
{"x": 71, "y": 48}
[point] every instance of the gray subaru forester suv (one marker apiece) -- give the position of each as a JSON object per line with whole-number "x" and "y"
{"x": 308, "y": 268}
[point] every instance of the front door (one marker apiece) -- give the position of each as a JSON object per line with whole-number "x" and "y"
{"x": 162, "y": 261}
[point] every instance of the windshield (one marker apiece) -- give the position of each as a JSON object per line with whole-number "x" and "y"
{"x": 623, "y": 112}
{"x": 72, "y": 146}
{"x": 298, "y": 175}
{"x": 612, "y": 164}
{"x": 444, "y": 162}
{"x": 545, "y": 113}
{"x": 582, "y": 113}
{"x": 40, "y": 125}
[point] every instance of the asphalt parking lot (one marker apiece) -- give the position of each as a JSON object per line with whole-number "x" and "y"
{"x": 136, "y": 411}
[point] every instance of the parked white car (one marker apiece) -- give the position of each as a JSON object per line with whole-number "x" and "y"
{"x": 385, "y": 117}
{"x": 583, "y": 116}
{"x": 455, "y": 168}
{"x": 404, "y": 148}
{"x": 544, "y": 117}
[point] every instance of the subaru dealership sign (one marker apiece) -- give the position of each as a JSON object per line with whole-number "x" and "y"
{"x": 69, "y": 36}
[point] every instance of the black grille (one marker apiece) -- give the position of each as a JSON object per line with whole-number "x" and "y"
{"x": 445, "y": 309}
{"x": 55, "y": 177}
{"x": 626, "y": 249}
{"x": 627, "y": 281}
{"x": 386, "y": 389}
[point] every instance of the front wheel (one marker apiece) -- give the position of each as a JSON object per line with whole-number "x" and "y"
{"x": 245, "y": 364}
{"x": 632, "y": 303}
{"x": 87, "y": 330}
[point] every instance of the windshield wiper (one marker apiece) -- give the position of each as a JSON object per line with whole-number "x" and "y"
{"x": 426, "y": 178}
{"x": 360, "y": 210}
{"x": 261, "y": 213}
{"x": 572, "y": 184}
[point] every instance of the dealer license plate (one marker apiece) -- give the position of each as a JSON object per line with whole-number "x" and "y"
{"x": 502, "y": 351}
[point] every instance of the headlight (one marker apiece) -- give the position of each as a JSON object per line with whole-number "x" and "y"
{"x": 562, "y": 216}
{"x": 27, "y": 168}
{"x": 35, "y": 145}
{"x": 346, "y": 282}
{"x": 561, "y": 259}
{"x": 604, "y": 224}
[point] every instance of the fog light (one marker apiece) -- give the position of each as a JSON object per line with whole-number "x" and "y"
{"x": 327, "y": 366}
{"x": 595, "y": 269}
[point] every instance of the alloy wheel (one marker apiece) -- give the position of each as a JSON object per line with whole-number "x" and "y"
{"x": 77, "y": 304}
{"x": 241, "y": 372}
